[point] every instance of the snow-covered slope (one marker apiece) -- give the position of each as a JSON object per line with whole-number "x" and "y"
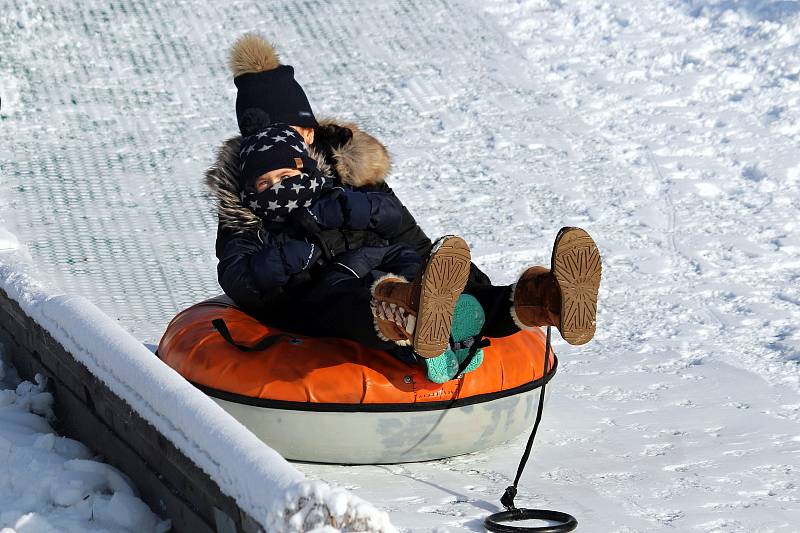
{"x": 669, "y": 129}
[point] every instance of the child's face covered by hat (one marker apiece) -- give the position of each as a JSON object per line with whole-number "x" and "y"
{"x": 277, "y": 174}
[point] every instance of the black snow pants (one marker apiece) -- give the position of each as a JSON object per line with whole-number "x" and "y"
{"x": 340, "y": 307}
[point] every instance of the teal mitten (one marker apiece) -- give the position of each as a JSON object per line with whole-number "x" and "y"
{"x": 468, "y": 319}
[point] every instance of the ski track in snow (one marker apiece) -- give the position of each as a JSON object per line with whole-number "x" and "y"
{"x": 668, "y": 129}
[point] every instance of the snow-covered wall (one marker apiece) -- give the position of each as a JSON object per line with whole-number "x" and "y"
{"x": 262, "y": 483}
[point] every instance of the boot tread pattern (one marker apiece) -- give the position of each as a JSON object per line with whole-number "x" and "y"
{"x": 577, "y": 267}
{"x": 443, "y": 282}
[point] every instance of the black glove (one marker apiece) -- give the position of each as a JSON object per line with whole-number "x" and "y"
{"x": 327, "y": 212}
{"x": 301, "y": 223}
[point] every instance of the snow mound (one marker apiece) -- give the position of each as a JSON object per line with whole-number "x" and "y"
{"x": 8, "y": 241}
{"x": 54, "y": 483}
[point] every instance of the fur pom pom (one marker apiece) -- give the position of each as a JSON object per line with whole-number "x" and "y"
{"x": 253, "y": 120}
{"x": 252, "y": 53}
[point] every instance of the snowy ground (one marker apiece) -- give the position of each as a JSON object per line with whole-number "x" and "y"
{"x": 50, "y": 483}
{"x": 670, "y": 130}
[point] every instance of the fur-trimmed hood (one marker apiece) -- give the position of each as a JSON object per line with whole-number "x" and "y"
{"x": 363, "y": 161}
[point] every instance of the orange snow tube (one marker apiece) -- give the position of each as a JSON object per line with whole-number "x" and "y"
{"x": 316, "y": 376}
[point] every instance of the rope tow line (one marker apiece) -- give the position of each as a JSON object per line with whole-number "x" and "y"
{"x": 497, "y": 521}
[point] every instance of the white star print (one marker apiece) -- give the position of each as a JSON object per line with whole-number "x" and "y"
{"x": 307, "y": 203}
{"x": 297, "y": 148}
{"x": 254, "y": 205}
{"x": 292, "y": 205}
{"x": 278, "y": 186}
{"x": 273, "y": 205}
{"x": 297, "y": 188}
{"x": 249, "y": 149}
{"x": 241, "y": 195}
{"x": 265, "y": 148}
{"x": 278, "y": 138}
{"x": 262, "y": 135}
{"x": 290, "y": 132}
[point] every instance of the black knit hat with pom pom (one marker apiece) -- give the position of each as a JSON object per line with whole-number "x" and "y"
{"x": 267, "y": 91}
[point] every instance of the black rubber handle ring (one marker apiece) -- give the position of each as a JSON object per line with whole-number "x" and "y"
{"x": 494, "y": 522}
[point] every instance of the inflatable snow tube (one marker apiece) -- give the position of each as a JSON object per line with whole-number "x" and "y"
{"x": 334, "y": 401}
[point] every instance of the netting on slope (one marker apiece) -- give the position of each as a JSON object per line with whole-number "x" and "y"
{"x": 112, "y": 112}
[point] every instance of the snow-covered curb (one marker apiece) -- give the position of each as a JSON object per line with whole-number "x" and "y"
{"x": 262, "y": 483}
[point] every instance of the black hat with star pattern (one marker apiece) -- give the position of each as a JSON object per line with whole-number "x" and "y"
{"x": 271, "y": 148}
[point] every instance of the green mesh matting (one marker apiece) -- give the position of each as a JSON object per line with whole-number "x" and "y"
{"x": 111, "y": 111}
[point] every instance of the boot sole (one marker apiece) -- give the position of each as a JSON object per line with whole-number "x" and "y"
{"x": 577, "y": 268}
{"x": 443, "y": 281}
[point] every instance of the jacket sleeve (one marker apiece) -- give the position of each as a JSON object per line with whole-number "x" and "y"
{"x": 406, "y": 230}
{"x": 358, "y": 210}
{"x": 253, "y": 270}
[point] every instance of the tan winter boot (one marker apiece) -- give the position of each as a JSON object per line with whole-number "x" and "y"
{"x": 421, "y": 312}
{"x": 392, "y": 309}
{"x": 566, "y": 295}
